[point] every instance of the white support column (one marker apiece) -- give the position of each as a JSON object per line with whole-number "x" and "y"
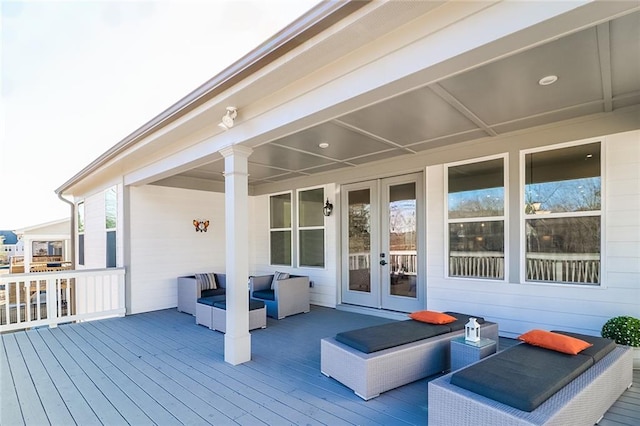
{"x": 237, "y": 340}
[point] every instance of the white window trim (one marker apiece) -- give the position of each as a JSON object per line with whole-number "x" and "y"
{"x": 523, "y": 216}
{"x": 504, "y": 218}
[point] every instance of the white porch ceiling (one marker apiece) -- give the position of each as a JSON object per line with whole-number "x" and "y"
{"x": 598, "y": 70}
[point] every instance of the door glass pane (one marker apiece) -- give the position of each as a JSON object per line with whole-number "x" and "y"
{"x": 360, "y": 240}
{"x": 403, "y": 254}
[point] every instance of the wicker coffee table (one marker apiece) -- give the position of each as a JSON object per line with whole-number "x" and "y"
{"x": 464, "y": 353}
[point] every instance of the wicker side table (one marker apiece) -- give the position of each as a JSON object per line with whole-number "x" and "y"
{"x": 464, "y": 353}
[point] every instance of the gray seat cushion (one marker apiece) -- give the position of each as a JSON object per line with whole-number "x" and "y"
{"x": 601, "y": 346}
{"x": 253, "y": 304}
{"x": 524, "y": 376}
{"x": 213, "y": 292}
{"x": 385, "y": 336}
{"x": 264, "y": 294}
{"x": 210, "y": 300}
{"x": 461, "y": 320}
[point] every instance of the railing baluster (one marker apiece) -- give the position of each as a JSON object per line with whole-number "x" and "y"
{"x": 60, "y": 297}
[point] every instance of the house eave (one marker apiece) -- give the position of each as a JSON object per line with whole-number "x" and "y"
{"x": 316, "y": 20}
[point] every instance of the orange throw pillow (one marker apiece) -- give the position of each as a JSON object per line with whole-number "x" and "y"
{"x": 432, "y": 317}
{"x": 554, "y": 341}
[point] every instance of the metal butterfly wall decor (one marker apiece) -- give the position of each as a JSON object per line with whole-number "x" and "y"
{"x": 201, "y": 225}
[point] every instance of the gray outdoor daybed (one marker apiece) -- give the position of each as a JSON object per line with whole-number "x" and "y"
{"x": 376, "y": 359}
{"x": 528, "y": 385}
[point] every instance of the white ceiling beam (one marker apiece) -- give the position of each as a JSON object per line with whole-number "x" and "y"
{"x": 604, "y": 53}
{"x": 462, "y": 109}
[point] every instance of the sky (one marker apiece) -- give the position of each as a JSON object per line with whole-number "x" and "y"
{"x": 77, "y": 77}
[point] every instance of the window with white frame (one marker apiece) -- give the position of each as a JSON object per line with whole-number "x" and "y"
{"x": 311, "y": 228}
{"x": 280, "y": 227}
{"x": 111, "y": 219}
{"x": 562, "y": 214}
{"x": 80, "y": 227}
{"x": 475, "y": 218}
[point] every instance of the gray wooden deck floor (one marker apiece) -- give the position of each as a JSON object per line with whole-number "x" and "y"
{"x": 160, "y": 368}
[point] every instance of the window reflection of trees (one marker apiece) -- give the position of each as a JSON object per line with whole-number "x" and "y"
{"x": 562, "y": 196}
{"x": 575, "y": 195}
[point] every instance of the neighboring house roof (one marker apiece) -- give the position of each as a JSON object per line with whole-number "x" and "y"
{"x": 9, "y": 237}
{"x": 56, "y": 226}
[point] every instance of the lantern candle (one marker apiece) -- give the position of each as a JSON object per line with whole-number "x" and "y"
{"x": 472, "y": 331}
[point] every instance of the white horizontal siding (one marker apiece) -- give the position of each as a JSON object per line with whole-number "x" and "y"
{"x": 95, "y": 237}
{"x": 165, "y": 245}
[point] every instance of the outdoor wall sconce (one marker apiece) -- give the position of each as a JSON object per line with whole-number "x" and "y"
{"x": 472, "y": 331}
{"x": 227, "y": 119}
{"x": 201, "y": 225}
{"x": 328, "y": 208}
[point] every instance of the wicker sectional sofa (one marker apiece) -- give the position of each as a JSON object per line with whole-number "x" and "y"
{"x": 369, "y": 374}
{"x": 190, "y": 290}
{"x": 581, "y": 401}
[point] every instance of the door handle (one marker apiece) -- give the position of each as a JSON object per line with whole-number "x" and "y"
{"x": 383, "y": 262}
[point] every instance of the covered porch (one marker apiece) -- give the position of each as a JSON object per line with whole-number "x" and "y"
{"x": 161, "y": 368}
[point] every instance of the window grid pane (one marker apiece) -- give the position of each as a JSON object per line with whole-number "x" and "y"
{"x": 312, "y": 247}
{"x": 476, "y": 249}
{"x": 280, "y": 209}
{"x": 110, "y": 207}
{"x": 310, "y": 204}
{"x": 81, "y": 217}
{"x": 280, "y": 229}
{"x": 281, "y": 247}
{"x": 562, "y": 198}
{"x": 476, "y": 200}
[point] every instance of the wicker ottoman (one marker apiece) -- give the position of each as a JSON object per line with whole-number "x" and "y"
{"x": 204, "y": 310}
{"x": 257, "y": 315}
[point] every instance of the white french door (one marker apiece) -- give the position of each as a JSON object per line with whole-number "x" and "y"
{"x": 381, "y": 240}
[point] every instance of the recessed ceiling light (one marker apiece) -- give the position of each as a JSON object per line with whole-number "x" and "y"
{"x": 547, "y": 80}
{"x": 323, "y": 145}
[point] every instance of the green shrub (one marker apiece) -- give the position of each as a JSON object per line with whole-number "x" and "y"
{"x": 624, "y": 330}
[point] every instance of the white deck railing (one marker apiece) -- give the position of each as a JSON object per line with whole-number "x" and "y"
{"x": 50, "y": 298}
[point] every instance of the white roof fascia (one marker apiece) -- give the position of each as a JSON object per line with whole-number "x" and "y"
{"x": 314, "y": 17}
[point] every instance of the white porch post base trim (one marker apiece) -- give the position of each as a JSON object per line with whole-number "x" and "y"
{"x": 237, "y": 349}
{"x": 237, "y": 340}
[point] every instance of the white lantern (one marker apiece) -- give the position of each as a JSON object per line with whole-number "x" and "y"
{"x": 472, "y": 331}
